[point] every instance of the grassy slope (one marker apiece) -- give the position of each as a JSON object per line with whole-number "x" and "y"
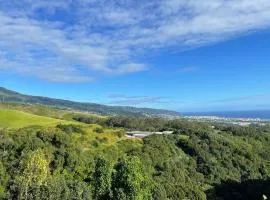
{"x": 18, "y": 119}
{"x": 14, "y": 119}
{"x": 47, "y": 111}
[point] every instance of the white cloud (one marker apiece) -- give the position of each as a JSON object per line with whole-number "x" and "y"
{"x": 120, "y": 99}
{"x": 82, "y": 39}
{"x": 125, "y": 100}
{"x": 129, "y": 68}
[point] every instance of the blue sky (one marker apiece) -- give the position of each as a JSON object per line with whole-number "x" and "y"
{"x": 174, "y": 54}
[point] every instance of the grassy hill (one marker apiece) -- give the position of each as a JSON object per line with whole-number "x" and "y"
{"x": 11, "y": 96}
{"x": 17, "y": 116}
{"x": 18, "y": 119}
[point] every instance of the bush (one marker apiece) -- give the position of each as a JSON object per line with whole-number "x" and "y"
{"x": 99, "y": 130}
{"x": 70, "y": 128}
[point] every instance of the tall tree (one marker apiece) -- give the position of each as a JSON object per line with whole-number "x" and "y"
{"x": 103, "y": 179}
{"x": 129, "y": 180}
{"x": 35, "y": 173}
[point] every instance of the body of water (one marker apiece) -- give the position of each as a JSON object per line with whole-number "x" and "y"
{"x": 262, "y": 114}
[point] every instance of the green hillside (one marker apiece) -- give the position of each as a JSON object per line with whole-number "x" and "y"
{"x": 18, "y": 119}
{"x": 15, "y": 97}
{"x": 95, "y": 161}
{"x": 73, "y": 155}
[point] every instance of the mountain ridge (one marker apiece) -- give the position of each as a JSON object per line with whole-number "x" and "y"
{"x": 11, "y": 96}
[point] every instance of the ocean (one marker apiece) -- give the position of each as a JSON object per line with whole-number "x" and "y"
{"x": 262, "y": 114}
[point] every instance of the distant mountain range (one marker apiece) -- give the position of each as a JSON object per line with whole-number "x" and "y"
{"x": 10, "y": 96}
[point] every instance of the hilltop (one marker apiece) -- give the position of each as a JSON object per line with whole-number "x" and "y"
{"x": 15, "y": 97}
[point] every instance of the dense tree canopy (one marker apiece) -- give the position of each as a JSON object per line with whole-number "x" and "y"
{"x": 198, "y": 161}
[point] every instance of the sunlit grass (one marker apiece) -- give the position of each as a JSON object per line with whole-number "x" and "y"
{"x": 18, "y": 119}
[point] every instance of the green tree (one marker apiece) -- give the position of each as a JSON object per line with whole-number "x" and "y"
{"x": 35, "y": 173}
{"x": 129, "y": 180}
{"x": 103, "y": 179}
{"x": 3, "y": 180}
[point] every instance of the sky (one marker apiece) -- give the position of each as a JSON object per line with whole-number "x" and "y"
{"x": 184, "y": 55}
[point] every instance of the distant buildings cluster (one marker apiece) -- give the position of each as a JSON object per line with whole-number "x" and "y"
{"x": 225, "y": 118}
{"x": 236, "y": 121}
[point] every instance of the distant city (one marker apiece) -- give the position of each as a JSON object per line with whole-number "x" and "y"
{"x": 254, "y": 114}
{"x": 242, "y": 118}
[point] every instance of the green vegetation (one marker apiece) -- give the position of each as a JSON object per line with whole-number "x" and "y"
{"x": 59, "y": 158}
{"x": 15, "y": 97}
{"x": 18, "y": 119}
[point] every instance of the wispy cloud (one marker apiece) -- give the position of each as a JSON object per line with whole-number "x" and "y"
{"x": 243, "y": 98}
{"x": 122, "y": 96}
{"x": 91, "y": 38}
{"x": 124, "y": 100}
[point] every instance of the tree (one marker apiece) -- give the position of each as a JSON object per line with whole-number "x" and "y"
{"x": 129, "y": 180}
{"x": 103, "y": 179}
{"x": 3, "y": 180}
{"x": 35, "y": 173}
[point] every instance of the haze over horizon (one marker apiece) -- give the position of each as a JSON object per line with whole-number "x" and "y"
{"x": 173, "y": 54}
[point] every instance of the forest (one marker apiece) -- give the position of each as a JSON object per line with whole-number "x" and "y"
{"x": 89, "y": 157}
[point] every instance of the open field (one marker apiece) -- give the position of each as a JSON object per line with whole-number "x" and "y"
{"x": 18, "y": 119}
{"x": 48, "y": 111}
{"x": 15, "y": 119}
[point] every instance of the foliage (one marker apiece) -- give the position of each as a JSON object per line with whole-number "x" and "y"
{"x": 102, "y": 179}
{"x": 246, "y": 190}
{"x": 70, "y": 128}
{"x": 129, "y": 181}
{"x": 35, "y": 172}
{"x": 99, "y": 130}
{"x": 78, "y": 161}
{"x": 4, "y": 177}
